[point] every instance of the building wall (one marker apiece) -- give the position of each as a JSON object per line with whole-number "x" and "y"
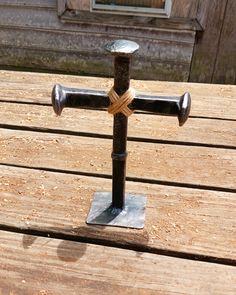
{"x": 32, "y": 36}
{"x": 214, "y": 58}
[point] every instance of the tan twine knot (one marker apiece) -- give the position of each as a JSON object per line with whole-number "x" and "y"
{"x": 119, "y": 104}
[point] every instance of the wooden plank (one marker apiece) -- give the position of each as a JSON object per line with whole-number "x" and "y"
{"x": 82, "y": 62}
{"x": 225, "y": 68}
{"x": 79, "y": 4}
{"x": 202, "y": 12}
{"x": 146, "y": 127}
{"x": 184, "y": 8}
{"x": 118, "y": 25}
{"x": 178, "y": 24}
{"x": 211, "y": 14}
{"x": 61, "y": 7}
{"x": 66, "y": 42}
{"x": 194, "y": 166}
{"x": 37, "y": 39}
{"x": 195, "y": 222}
{"x": 71, "y": 266}
{"x": 29, "y": 3}
{"x": 180, "y": 8}
{"x": 37, "y": 87}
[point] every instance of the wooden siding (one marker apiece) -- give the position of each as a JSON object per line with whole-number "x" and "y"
{"x": 214, "y": 58}
{"x": 180, "y": 8}
{"x": 32, "y": 36}
{"x": 225, "y": 66}
{"x": 211, "y": 14}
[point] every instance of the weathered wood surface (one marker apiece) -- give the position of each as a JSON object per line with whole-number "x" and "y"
{"x": 79, "y": 4}
{"x": 207, "y": 100}
{"x": 146, "y": 127}
{"x": 184, "y": 8}
{"x": 29, "y": 3}
{"x": 177, "y": 25}
{"x": 37, "y": 265}
{"x": 211, "y": 15}
{"x": 61, "y": 6}
{"x": 187, "y": 221}
{"x": 180, "y": 8}
{"x": 168, "y": 163}
{"x": 225, "y": 67}
{"x": 192, "y": 217}
{"x": 30, "y": 20}
{"x": 80, "y": 42}
{"x": 32, "y": 36}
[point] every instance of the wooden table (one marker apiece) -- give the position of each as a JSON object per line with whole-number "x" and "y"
{"x": 51, "y": 166}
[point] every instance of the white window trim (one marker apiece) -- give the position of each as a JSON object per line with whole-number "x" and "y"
{"x": 131, "y": 10}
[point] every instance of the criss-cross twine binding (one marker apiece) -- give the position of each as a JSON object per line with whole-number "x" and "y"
{"x": 119, "y": 104}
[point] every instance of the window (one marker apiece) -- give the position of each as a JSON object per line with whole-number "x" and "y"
{"x": 142, "y": 7}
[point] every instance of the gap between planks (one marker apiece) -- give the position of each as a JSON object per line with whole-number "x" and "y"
{"x": 147, "y": 161}
{"x": 37, "y": 87}
{"x": 149, "y": 128}
{"x": 70, "y": 266}
{"x": 109, "y": 136}
{"x": 128, "y": 178}
{"x": 198, "y": 224}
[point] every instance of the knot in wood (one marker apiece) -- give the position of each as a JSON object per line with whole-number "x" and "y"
{"x": 119, "y": 104}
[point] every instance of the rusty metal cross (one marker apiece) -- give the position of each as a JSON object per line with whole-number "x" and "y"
{"x": 118, "y": 208}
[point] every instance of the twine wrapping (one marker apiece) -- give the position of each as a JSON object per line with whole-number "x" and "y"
{"x": 119, "y": 104}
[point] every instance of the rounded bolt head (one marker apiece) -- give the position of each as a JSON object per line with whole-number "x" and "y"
{"x": 58, "y": 99}
{"x": 122, "y": 47}
{"x": 185, "y": 106}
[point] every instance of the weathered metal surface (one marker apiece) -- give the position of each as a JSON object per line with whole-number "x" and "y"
{"x": 122, "y": 47}
{"x": 122, "y": 51}
{"x": 103, "y": 213}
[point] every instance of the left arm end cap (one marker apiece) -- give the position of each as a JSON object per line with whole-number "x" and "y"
{"x": 58, "y": 99}
{"x": 184, "y": 108}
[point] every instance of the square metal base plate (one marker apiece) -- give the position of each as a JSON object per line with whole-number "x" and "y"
{"x": 132, "y": 216}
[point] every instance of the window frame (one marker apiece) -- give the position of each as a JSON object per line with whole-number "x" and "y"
{"x": 132, "y": 10}
{"x": 186, "y": 20}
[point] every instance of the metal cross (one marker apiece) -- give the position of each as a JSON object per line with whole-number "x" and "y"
{"x": 118, "y": 208}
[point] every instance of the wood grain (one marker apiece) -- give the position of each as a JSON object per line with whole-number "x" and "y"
{"x": 211, "y": 14}
{"x": 157, "y": 3}
{"x": 195, "y": 222}
{"x": 184, "y": 8}
{"x": 143, "y": 127}
{"x": 225, "y": 68}
{"x": 79, "y": 4}
{"x": 61, "y": 40}
{"x": 29, "y": 3}
{"x": 37, "y": 87}
{"x": 156, "y": 162}
{"x": 37, "y": 265}
{"x": 180, "y": 8}
{"x": 61, "y": 7}
{"x": 37, "y": 39}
